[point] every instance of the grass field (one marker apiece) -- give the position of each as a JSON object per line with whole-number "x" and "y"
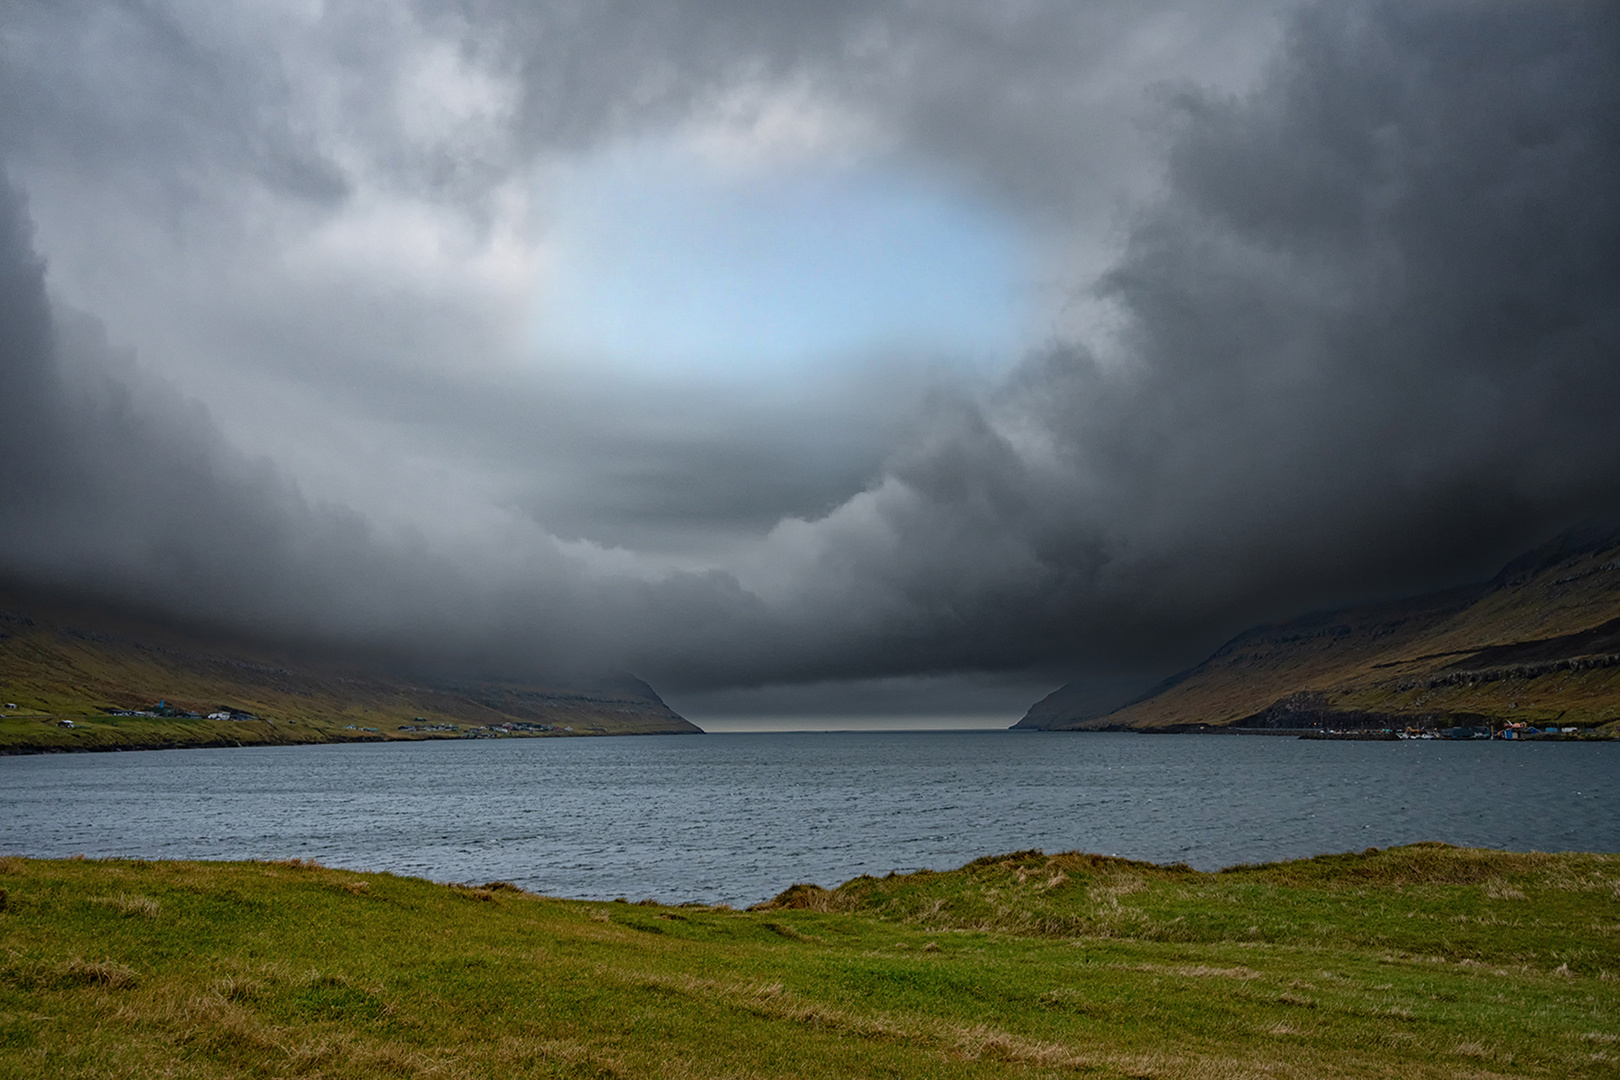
{"x": 1423, "y": 961}
{"x": 21, "y": 734}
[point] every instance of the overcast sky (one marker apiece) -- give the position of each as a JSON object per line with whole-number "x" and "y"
{"x": 809, "y": 359}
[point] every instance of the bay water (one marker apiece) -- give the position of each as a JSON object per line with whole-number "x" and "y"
{"x": 736, "y": 818}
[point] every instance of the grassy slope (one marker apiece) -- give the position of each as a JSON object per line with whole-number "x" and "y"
{"x": 1410, "y": 659}
{"x": 1415, "y": 962}
{"x": 53, "y": 668}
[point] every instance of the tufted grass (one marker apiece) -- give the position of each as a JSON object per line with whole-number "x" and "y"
{"x": 1422, "y": 961}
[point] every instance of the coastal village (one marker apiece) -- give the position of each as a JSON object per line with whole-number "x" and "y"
{"x": 170, "y": 712}
{"x": 1515, "y": 732}
{"x": 164, "y": 710}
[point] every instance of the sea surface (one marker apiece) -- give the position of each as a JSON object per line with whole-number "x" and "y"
{"x": 737, "y": 818}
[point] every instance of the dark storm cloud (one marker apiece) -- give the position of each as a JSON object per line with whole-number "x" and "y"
{"x": 182, "y": 117}
{"x": 1365, "y": 335}
{"x": 1027, "y": 97}
{"x": 115, "y": 486}
{"x": 112, "y": 483}
{"x": 1371, "y": 340}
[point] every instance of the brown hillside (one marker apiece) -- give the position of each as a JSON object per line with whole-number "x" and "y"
{"x": 61, "y": 661}
{"x": 1539, "y": 642}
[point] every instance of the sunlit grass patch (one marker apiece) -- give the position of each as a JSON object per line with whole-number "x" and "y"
{"x": 130, "y": 905}
{"x": 73, "y": 973}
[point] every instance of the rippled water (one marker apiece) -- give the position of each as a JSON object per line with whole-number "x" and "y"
{"x": 737, "y": 818}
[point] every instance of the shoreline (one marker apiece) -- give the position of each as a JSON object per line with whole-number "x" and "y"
{"x": 11, "y": 750}
{"x": 1337, "y": 859}
{"x": 227, "y": 742}
{"x": 1318, "y": 734}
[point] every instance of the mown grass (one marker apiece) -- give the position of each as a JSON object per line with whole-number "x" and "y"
{"x": 1424, "y": 961}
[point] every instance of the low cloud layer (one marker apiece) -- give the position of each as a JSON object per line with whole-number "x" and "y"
{"x": 1336, "y": 316}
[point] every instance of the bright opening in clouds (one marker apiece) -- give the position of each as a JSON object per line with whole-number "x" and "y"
{"x": 666, "y": 263}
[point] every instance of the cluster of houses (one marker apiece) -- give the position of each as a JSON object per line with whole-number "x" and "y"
{"x": 172, "y": 712}
{"x": 495, "y": 731}
{"x": 1509, "y": 731}
{"x": 1530, "y": 731}
{"x": 423, "y": 725}
{"x": 478, "y": 731}
{"x": 474, "y": 731}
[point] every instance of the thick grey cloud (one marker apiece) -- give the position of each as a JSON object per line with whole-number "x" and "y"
{"x": 1369, "y": 341}
{"x": 114, "y": 484}
{"x": 1356, "y": 332}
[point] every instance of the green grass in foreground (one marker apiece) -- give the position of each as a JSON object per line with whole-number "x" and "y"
{"x": 1423, "y": 961}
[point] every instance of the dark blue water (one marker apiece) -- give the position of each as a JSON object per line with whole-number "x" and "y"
{"x": 737, "y": 818}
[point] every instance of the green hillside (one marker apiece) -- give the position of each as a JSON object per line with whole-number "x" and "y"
{"x": 1538, "y": 644}
{"x": 1423, "y": 962}
{"x": 62, "y": 664}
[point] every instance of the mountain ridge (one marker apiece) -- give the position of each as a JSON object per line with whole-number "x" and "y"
{"x": 1539, "y": 642}
{"x": 75, "y": 676}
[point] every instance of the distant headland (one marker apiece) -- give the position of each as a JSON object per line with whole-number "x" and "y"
{"x": 1532, "y": 653}
{"x": 74, "y": 677}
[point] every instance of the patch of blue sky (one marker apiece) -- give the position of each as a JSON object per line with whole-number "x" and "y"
{"x": 666, "y": 265}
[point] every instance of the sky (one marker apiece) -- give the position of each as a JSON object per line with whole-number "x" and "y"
{"x": 824, "y": 364}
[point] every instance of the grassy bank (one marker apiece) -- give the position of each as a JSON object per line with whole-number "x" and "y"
{"x": 45, "y": 734}
{"x": 1422, "y": 961}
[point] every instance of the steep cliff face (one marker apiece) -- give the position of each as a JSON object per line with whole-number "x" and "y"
{"x": 70, "y": 661}
{"x": 1540, "y": 642}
